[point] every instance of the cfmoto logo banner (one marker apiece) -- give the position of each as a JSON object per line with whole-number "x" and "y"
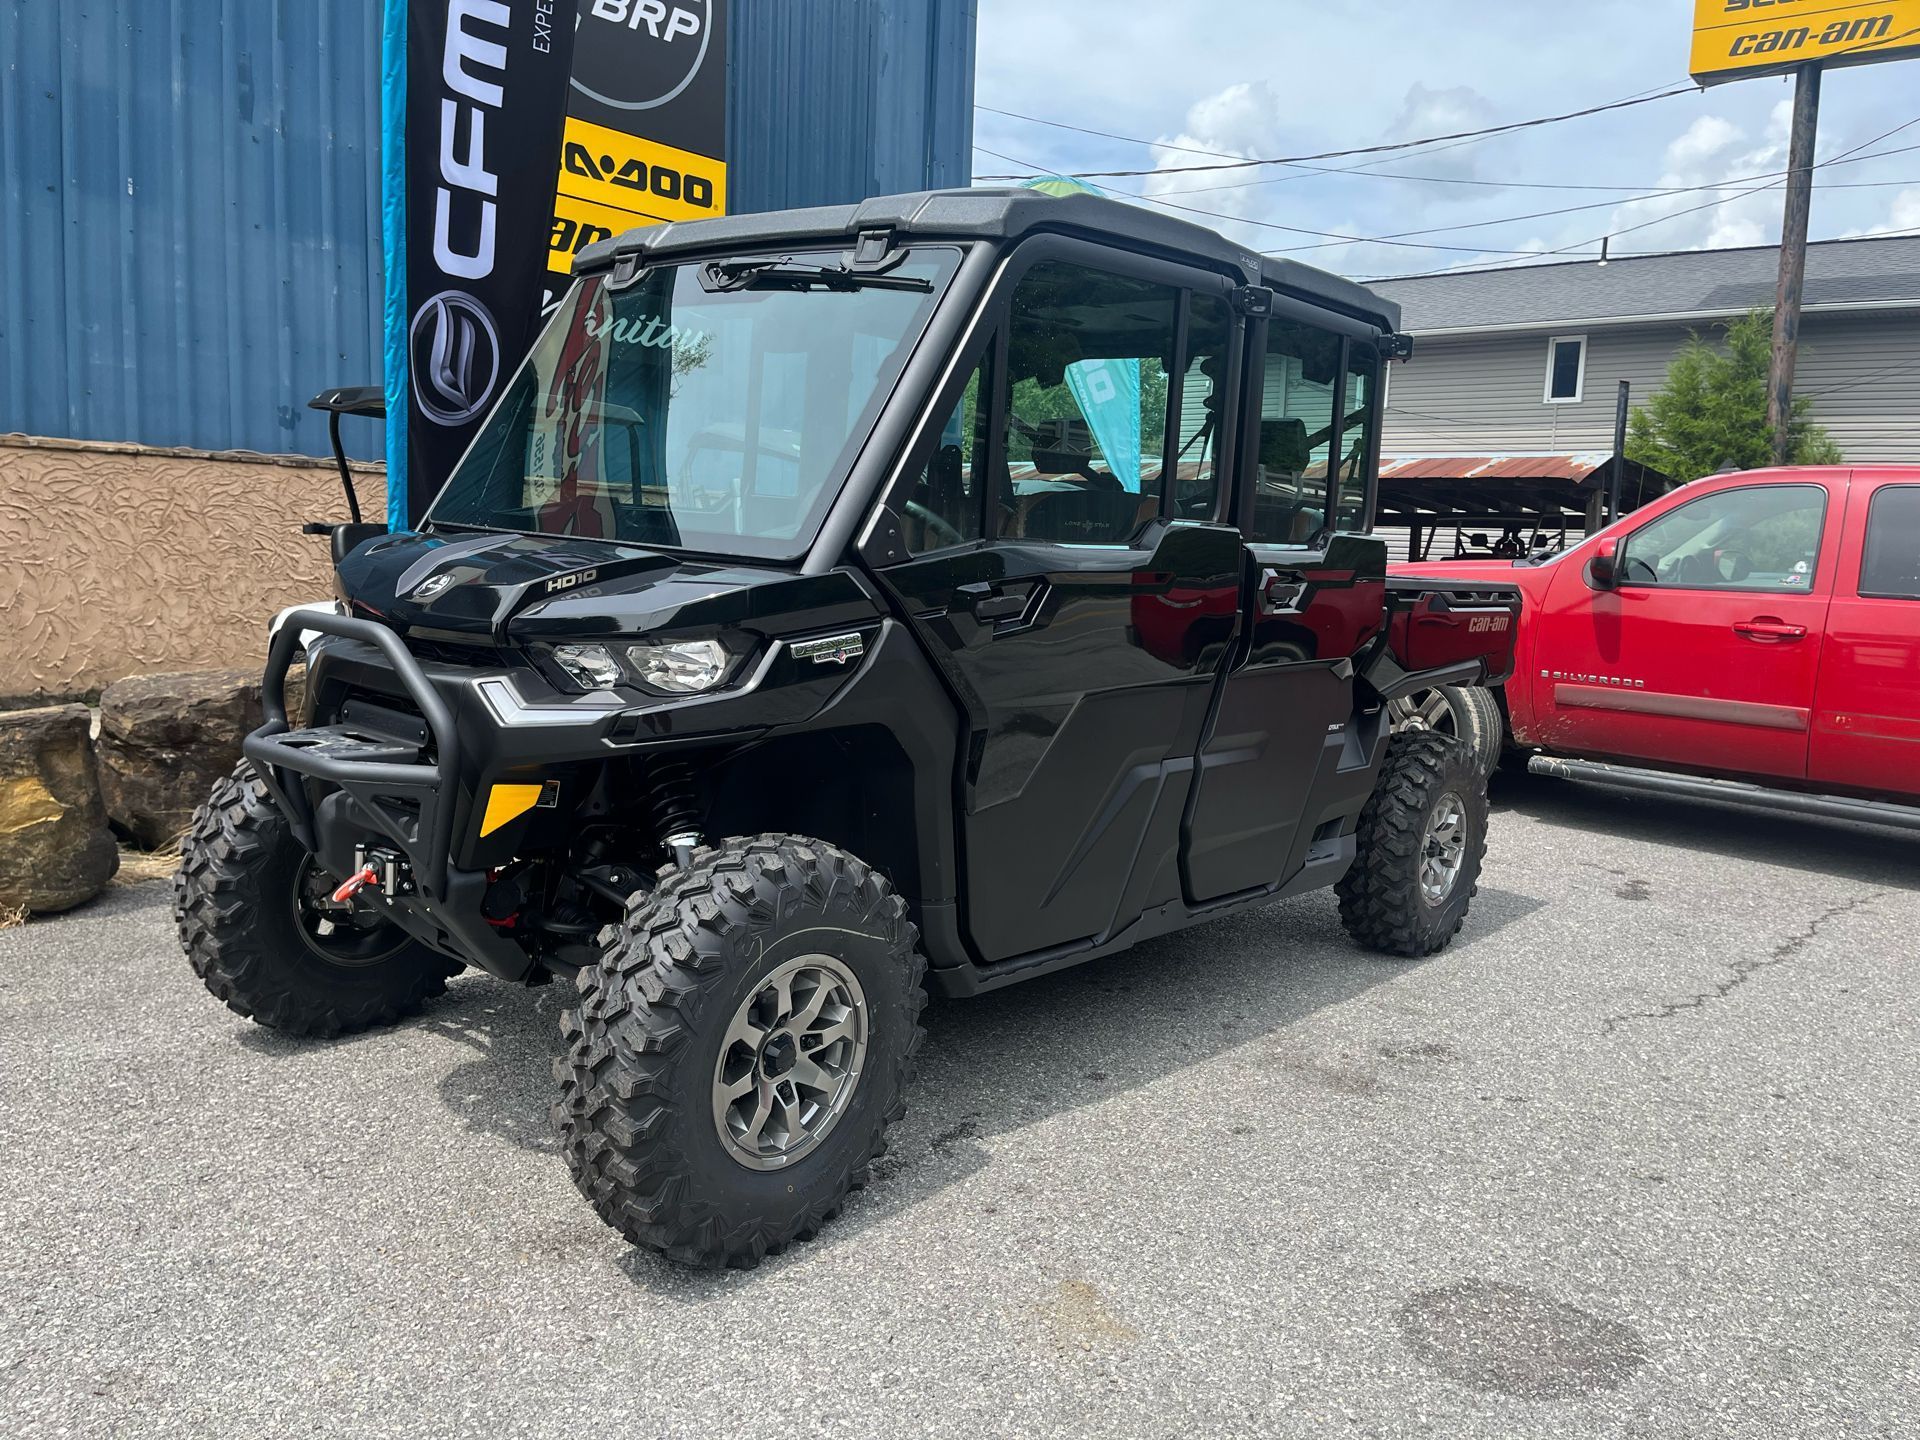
{"x": 486, "y": 102}
{"x": 454, "y": 357}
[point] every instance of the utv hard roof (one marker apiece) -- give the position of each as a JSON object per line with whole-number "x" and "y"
{"x": 994, "y": 215}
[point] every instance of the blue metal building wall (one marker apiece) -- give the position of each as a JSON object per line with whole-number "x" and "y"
{"x": 190, "y": 192}
{"x": 835, "y": 100}
{"x": 189, "y": 218}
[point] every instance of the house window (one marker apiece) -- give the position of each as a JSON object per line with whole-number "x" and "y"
{"x": 1566, "y": 369}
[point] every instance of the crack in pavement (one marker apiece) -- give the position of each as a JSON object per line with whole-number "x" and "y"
{"x": 1745, "y": 970}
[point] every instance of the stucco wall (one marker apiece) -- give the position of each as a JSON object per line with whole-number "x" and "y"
{"x": 119, "y": 559}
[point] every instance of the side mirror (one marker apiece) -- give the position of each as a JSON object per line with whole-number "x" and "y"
{"x": 1604, "y": 568}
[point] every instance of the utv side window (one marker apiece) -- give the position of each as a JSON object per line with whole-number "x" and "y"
{"x": 1296, "y": 434}
{"x": 1197, "y": 460}
{"x": 1086, "y": 417}
{"x": 1356, "y": 437}
{"x": 948, "y": 503}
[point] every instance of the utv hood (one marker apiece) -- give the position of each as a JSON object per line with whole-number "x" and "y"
{"x": 496, "y": 589}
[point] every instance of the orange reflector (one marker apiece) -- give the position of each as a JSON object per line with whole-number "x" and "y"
{"x": 507, "y": 803}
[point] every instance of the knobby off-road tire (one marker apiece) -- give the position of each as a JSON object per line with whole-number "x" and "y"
{"x": 236, "y": 902}
{"x": 1422, "y": 837}
{"x": 694, "y": 966}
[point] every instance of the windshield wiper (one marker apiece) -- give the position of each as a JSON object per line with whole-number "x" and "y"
{"x": 723, "y": 275}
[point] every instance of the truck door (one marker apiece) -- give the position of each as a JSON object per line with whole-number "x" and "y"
{"x": 1060, "y": 557}
{"x": 1866, "y": 712}
{"x": 1705, "y": 653}
{"x": 1272, "y": 762}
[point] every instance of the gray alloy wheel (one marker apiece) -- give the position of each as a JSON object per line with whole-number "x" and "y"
{"x": 790, "y": 1062}
{"x": 1443, "y": 848}
{"x": 1465, "y": 712}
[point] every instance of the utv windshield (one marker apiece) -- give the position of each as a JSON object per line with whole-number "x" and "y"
{"x": 711, "y": 406}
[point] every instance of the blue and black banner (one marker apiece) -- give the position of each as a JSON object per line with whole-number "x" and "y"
{"x": 474, "y": 108}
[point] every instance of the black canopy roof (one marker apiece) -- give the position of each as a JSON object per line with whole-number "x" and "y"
{"x": 996, "y": 215}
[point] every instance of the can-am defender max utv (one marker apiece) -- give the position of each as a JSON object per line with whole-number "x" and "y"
{"x": 952, "y": 587}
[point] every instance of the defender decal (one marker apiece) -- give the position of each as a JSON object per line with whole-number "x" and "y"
{"x": 837, "y": 649}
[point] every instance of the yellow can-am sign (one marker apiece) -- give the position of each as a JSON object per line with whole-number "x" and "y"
{"x": 1735, "y": 39}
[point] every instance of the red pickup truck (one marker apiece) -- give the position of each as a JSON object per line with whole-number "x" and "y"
{"x": 1751, "y": 637}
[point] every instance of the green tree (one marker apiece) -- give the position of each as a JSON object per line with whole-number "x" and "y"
{"x": 1712, "y": 413}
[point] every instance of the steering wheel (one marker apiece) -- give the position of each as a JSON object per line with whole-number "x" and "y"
{"x": 943, "y": 530}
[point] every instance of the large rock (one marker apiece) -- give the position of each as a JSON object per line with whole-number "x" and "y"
{"x": 55, "y": 848}
{"x": 164, "y": 740}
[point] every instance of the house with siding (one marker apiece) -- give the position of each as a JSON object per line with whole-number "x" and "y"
{"x": 1527, "y": 360}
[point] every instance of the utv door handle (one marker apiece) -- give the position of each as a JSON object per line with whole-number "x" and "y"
{"x": 1765, "y": 627}
{"x": 986, "y": 603}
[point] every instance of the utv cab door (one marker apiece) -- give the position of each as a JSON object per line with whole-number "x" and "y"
{"x": 1285, "y": 763}
{"x": 1059, "y": 551}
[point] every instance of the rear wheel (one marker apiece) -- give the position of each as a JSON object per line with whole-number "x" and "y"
{"x": 1422, "y": 837}
{"x": 740, "y": 1049}
{"x": 1466, "y": 712}
{"x": 260, "y": 927}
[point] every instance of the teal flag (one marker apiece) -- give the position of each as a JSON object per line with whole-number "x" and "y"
{"x": 1108, "y": 394}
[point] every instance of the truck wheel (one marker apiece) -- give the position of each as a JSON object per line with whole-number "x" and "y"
{"x": 256, "y": 918}
{"x": 739, "y": 1049}
{"x": 1422, "y": 837}
{"x": 1467, "y": 712}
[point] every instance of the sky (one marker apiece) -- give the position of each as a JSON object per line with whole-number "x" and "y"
{"x": 1260, "y": 78}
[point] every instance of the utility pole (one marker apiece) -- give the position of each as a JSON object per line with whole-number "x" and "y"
{"x": 1619, "y": 451}
{"x": 1793, "y": 257}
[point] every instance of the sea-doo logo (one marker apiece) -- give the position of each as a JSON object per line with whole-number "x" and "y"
{"x": 680, "y": 31}
{"x": 835, "y": 649}
{"x": 454, "y": 348}
{"x": 432, "y": 586}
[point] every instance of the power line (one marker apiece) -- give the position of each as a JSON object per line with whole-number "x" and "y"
{"x": 1538, "y": 255}
{"x": 1396, "y": 145}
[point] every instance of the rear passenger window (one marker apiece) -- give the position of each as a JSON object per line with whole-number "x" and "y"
{"x": 1890, "y": 568}
{"x": 1296, "y": 432}
{"x": 1086, "y": 421}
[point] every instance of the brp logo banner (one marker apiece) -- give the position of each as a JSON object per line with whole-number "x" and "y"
{"x": 484, "y": 108}
{"x": 646, "y": 121}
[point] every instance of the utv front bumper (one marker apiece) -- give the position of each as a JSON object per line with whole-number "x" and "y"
{"x": 406, "y": 777}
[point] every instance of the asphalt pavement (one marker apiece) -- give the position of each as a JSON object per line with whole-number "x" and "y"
{"x": 1639, "y": 1156}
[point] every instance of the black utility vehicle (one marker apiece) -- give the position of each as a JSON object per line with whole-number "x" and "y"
{"x": 955, "y": 586}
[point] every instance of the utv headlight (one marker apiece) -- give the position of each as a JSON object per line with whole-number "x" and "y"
{"x": 591, "y": 665}
{"x": 684, "y": 667}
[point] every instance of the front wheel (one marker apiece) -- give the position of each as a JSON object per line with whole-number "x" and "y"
{"x": 258, "y": 922}
{"x": 739, "y": 1049}
{"x": 1422, "y": 837}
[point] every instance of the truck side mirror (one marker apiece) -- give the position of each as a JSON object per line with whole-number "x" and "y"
{"x": 1604, "y": 568}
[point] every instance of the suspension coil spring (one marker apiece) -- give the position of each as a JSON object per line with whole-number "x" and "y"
{"x": 669, "y": 796}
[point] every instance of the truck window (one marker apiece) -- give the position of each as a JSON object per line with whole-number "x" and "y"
{"x": 1761, "y": 537}
{"x": 1088, "y": 355}
{"x": 1890, "y": 568}
{"x": 1296, "y": 429}
{"x": 948, "y": 503}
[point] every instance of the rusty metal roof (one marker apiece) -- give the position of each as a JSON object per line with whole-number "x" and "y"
{"x": 1574, "y": 467}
